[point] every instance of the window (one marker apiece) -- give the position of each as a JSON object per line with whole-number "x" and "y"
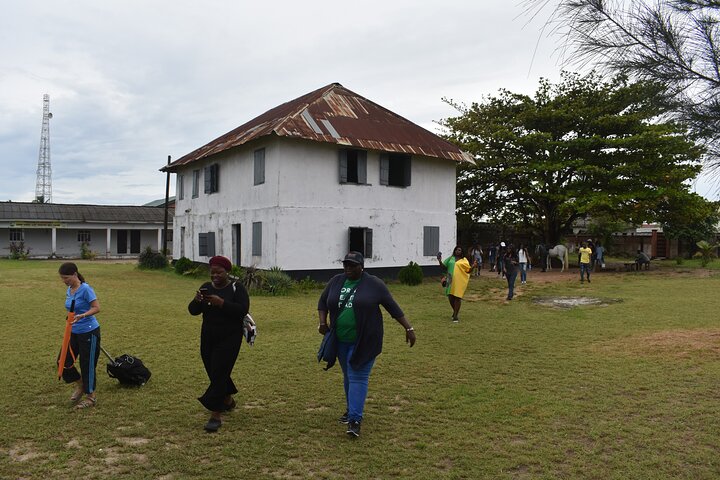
{"x": 353, "y": 166}
{"x": 212, "y": 178}
{"x": 84, "y": 236}
{"x": 259, "y": 166}
{"x": 257, "y": 239}
{"x": 17, "y": 235}
{"x": 360, "y": 240}
{"x": 206, "y": 244}
{"x": 196, "y": 183}
{"x": 395, "y": 169}
{"x": 181, "y": 187}
{"x": 431, "y": 241}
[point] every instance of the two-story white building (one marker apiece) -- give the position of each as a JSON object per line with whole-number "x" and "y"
{"x": 304, "y": 183}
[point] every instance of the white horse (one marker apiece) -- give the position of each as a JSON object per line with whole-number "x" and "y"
{"x": 558, "y": 251}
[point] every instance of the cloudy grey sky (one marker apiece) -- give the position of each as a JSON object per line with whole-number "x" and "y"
{"x": 132, "y": 82}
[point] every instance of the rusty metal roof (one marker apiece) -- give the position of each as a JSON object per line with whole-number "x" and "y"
{"x": 333, "y": 114}
{"x": 25, "y": 211}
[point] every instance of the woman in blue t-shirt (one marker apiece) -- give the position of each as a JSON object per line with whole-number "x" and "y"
{"x": 85, "y": 337}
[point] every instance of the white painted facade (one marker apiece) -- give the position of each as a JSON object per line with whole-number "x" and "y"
{"x": 306, "y": 212}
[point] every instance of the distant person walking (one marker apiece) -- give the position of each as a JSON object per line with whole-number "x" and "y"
{"x": 457, "y": 270}
{"x": 84, "y": 339}
{"x": 501, "y": 249}
{"x": 524, "y": 262}
{"x": 600, "y": 255}
{"x": 477, "y": 253}
{"x": 585, "y": 253}
{"x": 492, "y": 254}
{"x": 510, "y": 269}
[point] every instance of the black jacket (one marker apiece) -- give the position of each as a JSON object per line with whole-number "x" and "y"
{"x": 370, "y": 294}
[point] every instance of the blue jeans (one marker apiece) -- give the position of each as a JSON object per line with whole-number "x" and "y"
{"x": 511, "y": 283}
{"x": 584, "y": 268}
{"x": 523, "y": 272}
{"x": 354, "y": 381}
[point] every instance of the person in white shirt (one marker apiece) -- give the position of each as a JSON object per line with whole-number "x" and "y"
{"x": 524, "y": 261}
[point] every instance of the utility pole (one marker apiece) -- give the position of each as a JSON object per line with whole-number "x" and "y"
{"x": 43, "y": 186}
{"x": 167, "y": 200}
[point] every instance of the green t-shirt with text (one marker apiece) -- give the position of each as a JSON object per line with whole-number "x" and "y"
{"x": 345, "y": 326}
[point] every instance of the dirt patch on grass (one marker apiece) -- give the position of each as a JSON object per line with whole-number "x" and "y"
{"x": 674, "y": 343}
{"x": 570, "y": 302}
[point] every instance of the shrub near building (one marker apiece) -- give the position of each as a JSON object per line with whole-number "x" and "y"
{"x": 411, "y": 274}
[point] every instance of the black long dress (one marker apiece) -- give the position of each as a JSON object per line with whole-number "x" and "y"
{"x": 220, "y": 338}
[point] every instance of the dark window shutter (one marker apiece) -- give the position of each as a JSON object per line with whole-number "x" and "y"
{"x": 259, "y": 174}
{"x": 202, "y": 244}
{"x": 368, "y": 243}
{"x": 431, "y": 241}
{"x": 207, "y": 179}
{"x": 211, "y": 244}
{"x": 257, "y": 239}
{"x": 407, "y": 174}
{"x": 384, "y": 168}
{"x": 343, "y": 166}
{"x": 362, "y": 166}
{"x": 215, "y": 177}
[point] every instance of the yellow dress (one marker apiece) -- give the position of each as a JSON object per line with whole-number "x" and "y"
{"x": 459, "y": 278}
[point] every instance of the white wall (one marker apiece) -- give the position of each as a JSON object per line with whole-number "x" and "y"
{"x": 306, "y": 211}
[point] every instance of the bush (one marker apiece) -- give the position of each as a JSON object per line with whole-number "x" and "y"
{"x": 276, "y": 282}
{"x": 86, "y": 253}
{"x": 308, "y": 284}
{"x": 18, "y": 251}
{"x": 152, "y": 260}
{"x": 411, "y": 274}
{"x": 679, "y": 260}
{"x": 252, "y": 278}
{"x": 182, "y": 265}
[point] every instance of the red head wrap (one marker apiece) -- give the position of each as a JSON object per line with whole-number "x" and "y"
{"x": 221, "y": 261}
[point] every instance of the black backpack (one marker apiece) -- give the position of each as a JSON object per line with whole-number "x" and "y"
{"x": 128, "y": 370}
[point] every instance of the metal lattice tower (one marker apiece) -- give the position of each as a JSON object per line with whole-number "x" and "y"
{"x": 43, "y": 187}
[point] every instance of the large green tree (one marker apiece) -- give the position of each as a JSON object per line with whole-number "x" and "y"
{"x": 582, "y": 147}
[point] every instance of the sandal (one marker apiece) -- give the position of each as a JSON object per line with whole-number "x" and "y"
{"x": 87, "y": 402}
{"x": 76, "y": 396}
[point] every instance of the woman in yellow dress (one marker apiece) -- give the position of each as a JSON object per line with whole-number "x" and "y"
{"x": 457, "y": 270}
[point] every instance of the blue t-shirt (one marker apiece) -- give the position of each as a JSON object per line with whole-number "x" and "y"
{"x": 83, "y": 297}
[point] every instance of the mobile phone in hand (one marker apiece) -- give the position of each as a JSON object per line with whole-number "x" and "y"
{"x": 203, "y": 292}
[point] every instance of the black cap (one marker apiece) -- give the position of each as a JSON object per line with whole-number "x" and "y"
{"x": 354, "y": 257}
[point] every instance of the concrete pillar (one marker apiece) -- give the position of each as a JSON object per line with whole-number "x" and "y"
{"x": 53, "y": 242}
{"x": 108, "y": 237}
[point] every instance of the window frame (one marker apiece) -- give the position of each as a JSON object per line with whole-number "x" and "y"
{"x": 257, "y": 239}
{"x": 431, "y": 240}
{"x": 196, "y": 184}
{"x": 389, "y": 162}
{"x": 84, "y": 236}
{"x": 212, "y": 178}
{"x": 14, "y": 233}
{"x": 349, "y": 158}
{"x": 259, "y": 166}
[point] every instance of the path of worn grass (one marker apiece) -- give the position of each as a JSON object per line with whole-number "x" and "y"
{"x": 514, "y": 391}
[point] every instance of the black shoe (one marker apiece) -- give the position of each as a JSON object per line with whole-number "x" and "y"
{"x": 344, "y": 419}
{"x": 588, "y": 280}
{"x": 455, "y": 319}
{"x": 353, "y": 429}
{"x": 213, "y": 425}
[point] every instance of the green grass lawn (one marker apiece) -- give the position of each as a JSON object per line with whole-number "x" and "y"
{"x": 515, "y": 390}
